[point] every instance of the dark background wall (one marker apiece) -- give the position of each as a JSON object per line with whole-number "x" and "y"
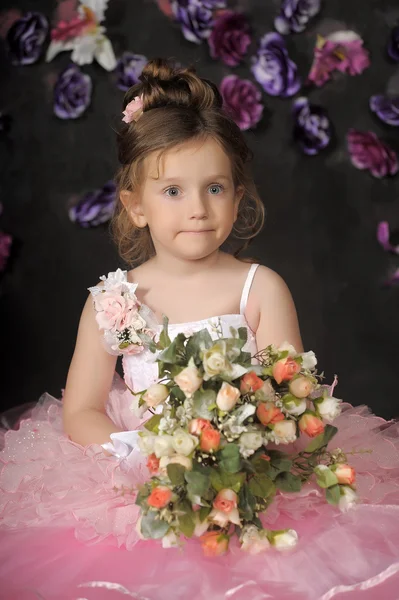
{"x": 322, "y": 212}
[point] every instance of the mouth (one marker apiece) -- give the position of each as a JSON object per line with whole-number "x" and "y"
{"x": 198, "y": 232}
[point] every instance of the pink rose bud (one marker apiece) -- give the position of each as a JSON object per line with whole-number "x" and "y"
{"x": 285, "y": 369}
{"x": 210, "y": 440}
{"x": 225, "y": 501}
{"x": 301, "y": 387}
{"x": 345, "y": 474}
{"x": 311, "y": 425}
{"x": 267, "y": 412}
{"x": 214, "y": 543}
{"x": 197, "y": 426}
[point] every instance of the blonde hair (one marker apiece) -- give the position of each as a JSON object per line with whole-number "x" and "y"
{"x": 178, "y": 106}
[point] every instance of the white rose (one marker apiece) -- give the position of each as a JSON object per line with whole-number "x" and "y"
{"x": 156, "y": 394}
{"x": 286, "y": 347}
{"x": 222, "y": 518}
{"x": 189, "y": 379}
{"x": 163, "y": 446}
{"x": 294, "y": 406}
{"x": 146, "y": 442}
{"x": 170, "y": 540}
{"x": 249, "y": 442}
{"x": 183, "y": 442}
{"x": 329, "y": 408}
{"x": 309, "y": 360}
{"x": 285, "y": 540}
{"x": 284, "y": 432}
{"x": 215, "y": 361}
{"x": 176, "y": 459}
{"x": 254, "y": 541}
{"x": 347, "y": 499}
{"x": 227, "y": 397}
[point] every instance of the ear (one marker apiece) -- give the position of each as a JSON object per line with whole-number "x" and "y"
{"x": 237, "y": 199}
{"x": 132, "y": 204}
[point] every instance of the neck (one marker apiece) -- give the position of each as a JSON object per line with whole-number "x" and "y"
{"x": 178, "y": 267}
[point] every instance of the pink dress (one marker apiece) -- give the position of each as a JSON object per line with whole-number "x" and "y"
{"x": 68, "y": 516}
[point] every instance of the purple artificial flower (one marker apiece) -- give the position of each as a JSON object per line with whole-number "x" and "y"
{"x": 295, "y": 14}
{"x": 129, "y": 69}
{"x": 95, "y": 207}
{"x": 5, "y": 249}
{"x": 26, "y": 37}
{"x": 195, "y": 18}
{"x": 369, "y": 152}
{"x": 72, "y": 93}
{"x": 383, "y": 237}
{"x": 312, "y": 129}
{"x": 393, "y": 44}
{"x": 273, "y": 69}
{"x": 386, "y": 109}
{"x": 242, "y": 101}
{"x": 229, "y": 39}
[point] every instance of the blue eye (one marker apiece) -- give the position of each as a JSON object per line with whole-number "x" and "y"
{"x": 174, "y": 190}
{"x": 216, "y": 189}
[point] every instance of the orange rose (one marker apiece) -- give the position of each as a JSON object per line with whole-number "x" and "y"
{"x": 250, "y": 383}
{"x": 159, "y": 497}
{"x": 345, "y": 474}
{"x": 225, "y": 501}
{"x": 197, "y": 426}
{"x": 311, "y": 425}
{"x": 214, "y": 543}
{"x": 285, "y": 369}
{"x": 153, "y": 464}
{"x": 210, "y": 440}
{"x": 267, "y": 412}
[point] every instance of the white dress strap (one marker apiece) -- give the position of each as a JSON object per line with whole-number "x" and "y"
{"x": 247, "y": 287}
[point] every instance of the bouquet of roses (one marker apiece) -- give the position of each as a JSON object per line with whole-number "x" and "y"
{"x": 213, "y": 442}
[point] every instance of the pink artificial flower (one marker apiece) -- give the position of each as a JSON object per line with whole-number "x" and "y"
{"x": 383, "y": 235}
{"x": 342, "y": 51}
{"x": 367, "y": 151}
{"x": 133, "y": 110}
{"x": 77, "y": 26}
{"x": 113, "y": 310}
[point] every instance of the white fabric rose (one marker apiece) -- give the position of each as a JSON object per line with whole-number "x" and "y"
{"x": 284, "y": 432}
{"x": 156, "y": 394}
{"x": 183, "y": 442}
{"x": 163, "y": 446}
{"x": 329, "y": 408}
{"x": 254, "y": 541}
{"x": 285, "y": 540}
{"x": 146, "y": 442}
{"x": 249, "y": 442}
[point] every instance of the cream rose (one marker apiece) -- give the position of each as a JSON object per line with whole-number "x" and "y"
{"x": 254, "y": 541}
{"x": 146, "y": 442}
{"x": 285, "y": 539}
{"x": 156, "y": 394}
{"x": 284, "y": 432}
{"x": 163, "y": 446}
{"x": 176, "y": 459}
{"x": 301, "y": 386}
{"x": 347, "y": 499}
{"x": 227, "y": 397}
{"x": 183, "y": 442}
{"x": 218, "y": 517}
{"x": 294, "y": 406}
{"x": 249, "y": 442}
{"x": 329, "y": 408}
{"x": 215, "y": 361}
{"x": 309, "y": 360}
{"x": 189, "y": 379}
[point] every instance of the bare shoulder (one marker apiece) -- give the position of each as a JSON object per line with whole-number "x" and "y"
{"x": 269, "y": 283}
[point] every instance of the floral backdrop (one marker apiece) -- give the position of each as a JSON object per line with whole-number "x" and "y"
{"x": 315, "y": 87}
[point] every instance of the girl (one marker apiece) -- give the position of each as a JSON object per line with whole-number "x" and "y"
{"x": 68, "y": 519}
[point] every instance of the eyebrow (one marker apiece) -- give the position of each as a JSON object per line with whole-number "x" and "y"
{"x": 180, "y": 179}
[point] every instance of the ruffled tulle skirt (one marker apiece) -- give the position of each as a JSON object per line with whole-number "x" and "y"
{"x": 68, "y": 524}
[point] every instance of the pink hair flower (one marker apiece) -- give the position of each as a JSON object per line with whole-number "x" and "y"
{"x": 133, "y": 110}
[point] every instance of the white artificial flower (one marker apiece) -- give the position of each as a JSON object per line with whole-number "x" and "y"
{"x": 287, "y": 347}
{"x": 254, "y": 541}
{"x": 284, "y": 432}
{"x": 227, "y": 397}
{"x": 163, "y": 446}
{"x": 285, "y": 540}
{"x": 329, "y": 408}
{"x": 294, "y": 407}
{"x": 309, "y": 360}
{"x": 146, "y": 442}
{"x": 155, "y": 394}
{"x": 170, "y": 540}
{"x": 348, "y": 498}
{"x": 176, "y": 459}
{"x": 249, "y": 442}
{"x": 189, "y": 379}
{"x": 200, "y": 528}
{"x": 183, "y": 443}
{"x": 222, "y": 518}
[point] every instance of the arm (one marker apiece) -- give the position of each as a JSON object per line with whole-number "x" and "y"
{"x": 277, "y": 316}
{"x": 88, "y": 384}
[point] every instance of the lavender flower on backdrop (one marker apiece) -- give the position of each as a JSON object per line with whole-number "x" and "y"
{"x": 72, "y": 93}
{"x": 5, "y": 249}
{"x": 242, "y": 101}
{"x": 26, "y": 38}
{"x": 386, "y": 109}
{"x": 195, "y": 18}
{"x": 129, "y": 69}
{"x": 273, "y": 69}
{"x": 312, "y": 129}
{"x": 393, "y": 44}
{"x": 96, "y": 207}
{"x": 383, "y": 237}
{"x": 295, "y": 15}
{"x": 367, "y": 151}
{"x": 229, "y": 39}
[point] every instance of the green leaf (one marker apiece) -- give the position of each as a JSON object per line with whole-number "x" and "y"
{"x": 152, "y": 527}
{"x": 176, "y": 473}
{"x": 279, "y": 463}
{"x": 198, "y": 341}
{"x": 186, "y": 525}
{"x": 223, "y": 480}
{"x": 325, "y": 477}
{"x": 333, "y": 494}
{"x": 259, "y": 464}
{"x": 153, "y": 423}
{"x": 247, "y": 503}
{"x": 176, "y": 393}
{"x": 164, "y": 339}
{"x": 173, "y": 353}
{"x": 230, "y": 460}
{"x": 243, "y": 334}
{"x": 261, "y": 485}
{"x": 198, "y": 483}
{"x": 322, "y": 440}
{"x": 287, "y": 482}
{"x": 204, "y": 512}
{"x": 204, "y": 400}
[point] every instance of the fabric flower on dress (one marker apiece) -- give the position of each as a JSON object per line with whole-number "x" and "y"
{"x": 96, "y": 207}
{"x": 295, "y": 15}
{"x": 229, "y": 39}
{"x": 273, "y": 69}
{"x": 128, "y": 70}
{"x": 312, "y": 129}
{"x": 242, "y": 101}
{"x": 342, "y": 51}
{"x": 393, "y": 44}
{"x": 26, "y": 38}
{"x": 383, "y": 237}
{"x": 367, "y": 151}
{"x": 195, "y": 18}
{"x": 84, "y": 36}
{"x": 386, "y": 109}
{"x": 72, "y": 93}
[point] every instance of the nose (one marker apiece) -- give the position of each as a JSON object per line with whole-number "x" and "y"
{"x": 198, "y": 207}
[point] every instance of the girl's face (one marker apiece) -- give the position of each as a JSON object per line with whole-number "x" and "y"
{"x": 187, "y": 199}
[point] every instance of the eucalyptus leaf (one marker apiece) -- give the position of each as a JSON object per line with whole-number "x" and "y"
{"x": 152, "y": 527}
{"x": 287, "y": 482}
{"x": 203, "y": 403}
{"x": 186, "y": 525}
{"x": 261, "y": 485}
{"x": 199, "y": 341}
{"x": 176, "y": 473}
{"x": 204, "y": 512}
{"x": 333, "y": 494}
{"x": 198, "y": 483}
{"x": 164, "y": 339}
{"x": 229, "y": 458}
{"x": 247, "y": 503}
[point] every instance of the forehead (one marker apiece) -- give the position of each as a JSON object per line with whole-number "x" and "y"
{"x": 195, "y": 158}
